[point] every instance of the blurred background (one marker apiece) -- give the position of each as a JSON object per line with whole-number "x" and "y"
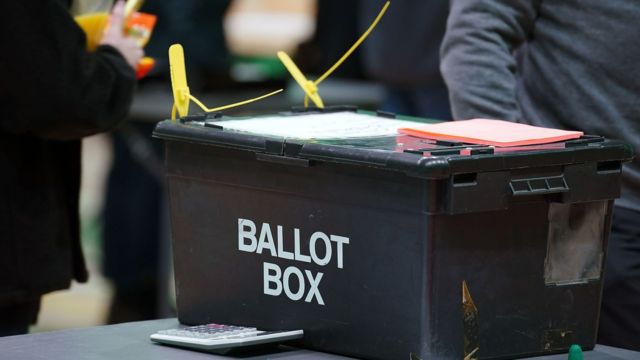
{"x": 230, "y": 48}
{"x": 286, "y": 24}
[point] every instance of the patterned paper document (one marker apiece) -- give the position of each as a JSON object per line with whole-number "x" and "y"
{"x": 339, "y": 125}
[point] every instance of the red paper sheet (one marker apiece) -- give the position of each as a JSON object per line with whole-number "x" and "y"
{"x": 490, "y": 132}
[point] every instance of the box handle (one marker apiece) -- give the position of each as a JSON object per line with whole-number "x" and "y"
{"x": 539, "y": 186}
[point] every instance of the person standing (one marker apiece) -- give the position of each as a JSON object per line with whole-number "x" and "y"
{"x": 569, "y": 64}
{"x": 52, "y": 93}
{"x": 135, "y": 223}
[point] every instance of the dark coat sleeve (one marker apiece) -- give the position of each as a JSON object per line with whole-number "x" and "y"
{"x": 50, "y": 86}
{"x": 477, "y": 55}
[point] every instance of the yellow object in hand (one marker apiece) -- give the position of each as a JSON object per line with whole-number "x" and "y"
{"x": 93, "y": 26}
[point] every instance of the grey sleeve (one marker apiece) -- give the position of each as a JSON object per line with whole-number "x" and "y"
{"x": 477, "y": 55}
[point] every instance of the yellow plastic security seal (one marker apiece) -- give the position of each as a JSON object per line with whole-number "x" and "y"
{"x": 309, "y": 87}
{"x": 181, "y": 94}
{"x": 178, "y": 81}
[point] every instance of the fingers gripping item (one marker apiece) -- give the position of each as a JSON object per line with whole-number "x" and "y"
{"x": 123, "y": 16}
{"x": 114, "y": 36}
{"x": 181, "y": 94}
{"x": 310, "y": 88}
{"x": 117, "y": 18}
{"x": 102, "y": 27}
{"x": 131, "y": 7}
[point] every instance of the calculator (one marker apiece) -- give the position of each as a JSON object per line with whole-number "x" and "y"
{"x": 222, "y": 338}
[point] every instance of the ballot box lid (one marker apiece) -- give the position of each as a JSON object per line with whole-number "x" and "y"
{"x": 344, "y": 134}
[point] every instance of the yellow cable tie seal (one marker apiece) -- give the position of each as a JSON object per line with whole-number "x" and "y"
{"x": 239, "y": 103}
{"x": 181, "y": 93}
{"x": 358, "y": 42}
{"x": 309, "y": 87}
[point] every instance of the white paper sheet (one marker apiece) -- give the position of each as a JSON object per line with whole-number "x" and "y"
{"x": 338, "y": 125}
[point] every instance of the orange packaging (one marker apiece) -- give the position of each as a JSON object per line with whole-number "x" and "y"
{"x": 140, "y": 26}
{"x": 144, "y": 66}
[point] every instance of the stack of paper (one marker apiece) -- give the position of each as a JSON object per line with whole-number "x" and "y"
{"x": 490, "y": 132}
{"x": 339, "y": 125}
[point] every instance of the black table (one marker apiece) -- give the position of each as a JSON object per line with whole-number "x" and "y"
{"x": 130, "y": 341}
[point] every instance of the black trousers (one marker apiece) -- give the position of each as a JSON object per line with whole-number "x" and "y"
{"x": 132, "y": 222}
{"x": 620, "y": 312}
{"x": 15, "y": 319}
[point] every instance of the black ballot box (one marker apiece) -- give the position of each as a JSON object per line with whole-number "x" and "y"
{"x": 388, "y": 246}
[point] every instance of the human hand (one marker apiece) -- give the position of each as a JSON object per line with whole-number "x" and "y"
{"x": 114, "y": 36}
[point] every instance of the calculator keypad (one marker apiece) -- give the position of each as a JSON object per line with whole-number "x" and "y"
{"x": 213, "y": 331}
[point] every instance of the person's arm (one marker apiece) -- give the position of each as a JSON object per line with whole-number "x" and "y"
{"x": 477, "y": 60}
{"x": 49, "y": 85}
